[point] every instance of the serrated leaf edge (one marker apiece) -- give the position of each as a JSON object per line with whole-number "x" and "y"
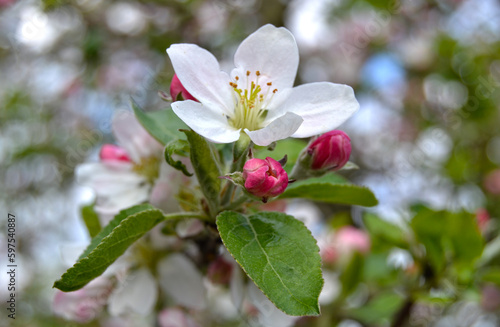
{"x": 317, "y": 309}
{"x": 86, "y": 258}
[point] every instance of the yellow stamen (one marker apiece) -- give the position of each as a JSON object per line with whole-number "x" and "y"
{"x": 251, "y": 103}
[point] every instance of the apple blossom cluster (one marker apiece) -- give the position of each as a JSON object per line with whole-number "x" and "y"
{"x": 180, "y": 197}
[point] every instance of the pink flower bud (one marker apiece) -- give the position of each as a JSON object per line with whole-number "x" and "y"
{"x": 490, "y": 298}
{"x": 177, "y": 88}
{"x": 482, "y": 218}
{"x": 492, "y": 182}
{"x": 110, "y": 152}
{"x": 330, "y": 151}
{"x": 219, "y": 271}
{"x": 264, "y": 178}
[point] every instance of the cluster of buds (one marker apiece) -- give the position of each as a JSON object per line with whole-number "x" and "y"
{"x": 266, "y": 178}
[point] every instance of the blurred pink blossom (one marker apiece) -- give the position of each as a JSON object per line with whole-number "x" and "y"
{"x": 278, "y": 205}
{"x": 482, "y": 217}
{"x": 490, "y": 298}
{"x": 85, "y": 304}
{"x": 111, "y": 152}
{"x": 5, "y": 3}
{"x": 492, "y": 182}
{"x": 175, "y": 317}
{"x": 343, "y": 243}
{"x": 219, "y": 271}
{"x": 127, "y": 174}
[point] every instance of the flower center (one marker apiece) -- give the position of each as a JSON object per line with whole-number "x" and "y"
{"x": 251, "y": 102}
{"x": 148, "y": 167}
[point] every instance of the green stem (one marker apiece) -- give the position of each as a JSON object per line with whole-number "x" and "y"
{"x": 234, "y": 205}
{"x": 235, "y": 166}
{"x": 301, "y": 169}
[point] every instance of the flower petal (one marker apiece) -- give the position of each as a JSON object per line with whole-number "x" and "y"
{"x": 273, "y": 52}
{"x": 138, "y": 293}
{"x": 200, "y": 74}
{"x": 269, "y": 315}
{"x": 117, "y": 187}
{"x": 180, "y": 279}
{"x": 280, "y": 128}
{"x": 323, "y": 106}
{"x": 133, "y": 137}
{"x": 206, "y": 121}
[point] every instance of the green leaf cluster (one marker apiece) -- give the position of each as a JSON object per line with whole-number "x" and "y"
{"x": 448, "y": 237}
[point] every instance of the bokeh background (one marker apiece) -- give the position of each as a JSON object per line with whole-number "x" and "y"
{"x": 426, "y": 73}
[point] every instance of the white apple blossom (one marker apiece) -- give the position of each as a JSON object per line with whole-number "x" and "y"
{"x": 258, "y": 96}
{"x": 129, "y": 174}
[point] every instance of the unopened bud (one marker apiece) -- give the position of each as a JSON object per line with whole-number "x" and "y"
{"x": 219, "y": 271}
{"x": 111, "y": 152}
{"x": 330, "y": 151}
{"x": 177, "y": 88}
{"x": 264, "y": 178}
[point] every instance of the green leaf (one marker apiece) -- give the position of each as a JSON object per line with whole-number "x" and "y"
{"x": 112, "y": 224}
{"x": 127, "y": 227}
{"x": 465, "y": 236}
{"x": 491, "y": 275}
{"x": 447, "y": 235}
{"x": 377, "y": 270}
{"x": 428, "y": 227}
{"x": 290, "y": 147}
{"x": 279, "y": 254}
{"x": 384, "y": 232}
{"x": 353, "y": 274}
{"x": 204, "y": 160}
{"x": 91, "y": 220}
{"x": 163, "y": 125}
{"x": 379, "y": 310}
{"x": 331, "y": 188}
{"x": 179, "y": 147}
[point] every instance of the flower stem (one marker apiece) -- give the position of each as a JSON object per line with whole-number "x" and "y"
{"x": 235, "y": 204}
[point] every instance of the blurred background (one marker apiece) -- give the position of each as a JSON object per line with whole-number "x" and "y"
{"x": 426, "y": 73}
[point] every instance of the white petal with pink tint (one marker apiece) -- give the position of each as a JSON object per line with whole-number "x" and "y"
{"x": 133, "y": 137}
{"x": 200, "y": 74}
{"x": 175, "y": 317}
{"x": 181, "y": 280}
{"x": 116, "y": 185}
{"x": 138, "y": 293}
{"x": 85, "y": 304}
